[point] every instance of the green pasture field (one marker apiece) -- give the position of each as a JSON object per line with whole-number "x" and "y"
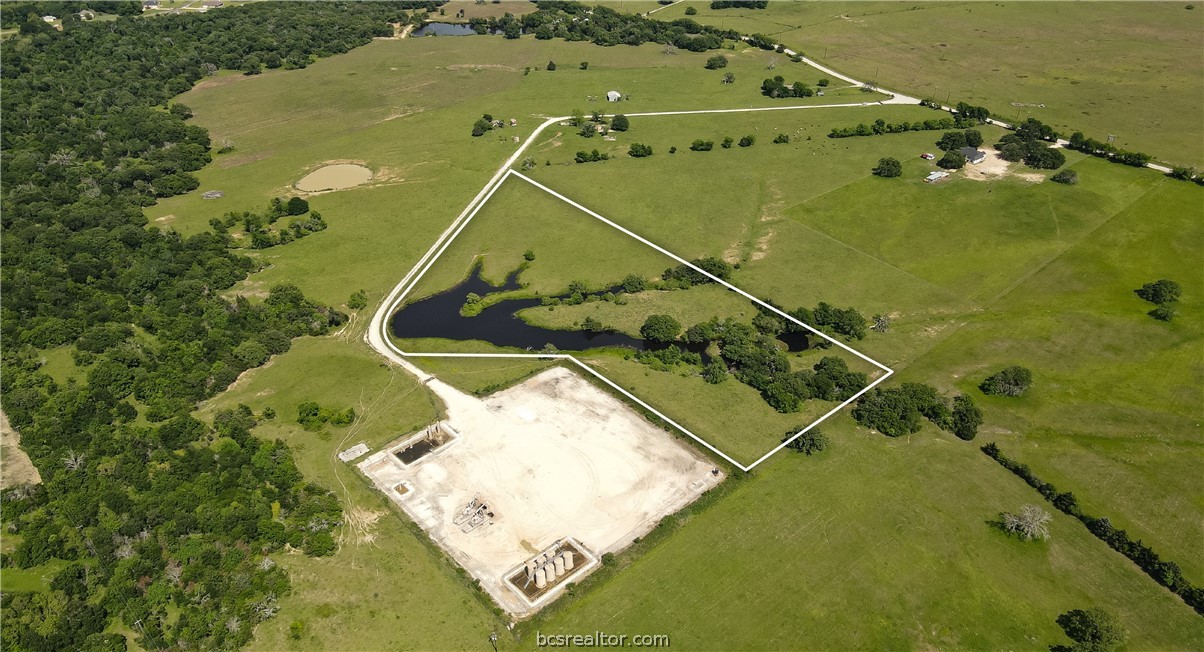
{"x": 1115, "y": 411}
{"x": 874, "y": 543}
{"x": 405, "y": 109}
{"x": 1123, "y": 68}
{"x": 447, "y": 12}
{"x": 948, "y": 262}
{"x": 570, "y": 245}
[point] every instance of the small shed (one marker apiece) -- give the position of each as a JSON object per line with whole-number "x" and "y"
{"x": 933, "y": 177}
{"x": 150, "y": 4}
{"x": 613, "y": 96}
{"x": 49, "y": 19}
{"x": 974, "y": 155}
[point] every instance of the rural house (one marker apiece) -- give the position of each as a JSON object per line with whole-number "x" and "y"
{"x": 974, "y": 155}
{"x": 613, "y": 96}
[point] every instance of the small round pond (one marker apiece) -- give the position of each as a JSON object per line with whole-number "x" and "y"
{"x": 335, "y": 177}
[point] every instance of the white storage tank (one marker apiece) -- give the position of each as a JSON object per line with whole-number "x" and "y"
{"x": 567, "y": 556}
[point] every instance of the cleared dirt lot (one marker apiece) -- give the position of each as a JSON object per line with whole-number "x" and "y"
{"x": 552, "y": 457}
{"x": 15, "y": 467}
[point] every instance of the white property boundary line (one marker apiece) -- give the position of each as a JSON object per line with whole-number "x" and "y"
{"x": 378, "y": 336}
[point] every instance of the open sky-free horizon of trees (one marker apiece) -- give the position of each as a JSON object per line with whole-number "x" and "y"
{"x": 602, "y": 25}
{"x": 153, "y": 510}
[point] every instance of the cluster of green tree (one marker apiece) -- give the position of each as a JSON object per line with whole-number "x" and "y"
{"x": 1092, "y": 630}
{"x": 668, "y": 358}
{"x": 955, "y": 140}
{"x": 684, "y": 276}
{"x": 781, "y": 139}
{"x": 899, "y": 411}
{"x": 752, "y": 354}
{"x": 590, "y": 157}
{"x": 1012, "y": 381}
{"x": 1186, "y": 173}
{"x": 1166, "y": 573}
{"x": 1163, "y": 293}
{"x": 312, "y": 416}
{"x": 881, "y": 126}
{"x": 639, "y": 150}
{"x": 762, "y": 41}
{"x": 777, "y": 87}
{"x": 979, "y": 113}
{"x": 1027, "y": 143}
{"x": 177, "y": 519}
{"x": 483, "y": 124}
{"x": 701, "y": 145}
{"x": 810, "y": 442}
{"x": 716, "y": 62}
{"x": 144, "y": 308}
{"x": 888, "y": 167}
{"x": 602, "y": 25}
{"x": 739, "y": 4}
{"x": 258, "y": 229}
{"x": 1067, "y": 177}
{"x": 1108, "y": 151}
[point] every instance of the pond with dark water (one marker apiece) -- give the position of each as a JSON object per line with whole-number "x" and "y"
{"x": 499, "y": 324}
{"x": 439, "y": 316}
{"x": 444, "y": 29}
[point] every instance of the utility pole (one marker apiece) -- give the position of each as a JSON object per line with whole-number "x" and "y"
{"x": 493, "y": 640}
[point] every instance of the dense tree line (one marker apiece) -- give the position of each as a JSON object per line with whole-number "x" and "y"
{"x": 1166, "y": 573}
{"x": 739, "y": 4}
{"x": 175, "y": 514}
{"x": 881, "y": 126}
{"x": 601, "y": 25}
{"x": 1107, "y": 151}
{"x": 901, "y": 410}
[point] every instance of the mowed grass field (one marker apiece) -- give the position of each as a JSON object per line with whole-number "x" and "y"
{"x": 1124, "y": 68}
{"x": 793, "y": 556}
{"x": 976, "y": 276}
{"x": 875, "y": 544}
{"x": 570, "y": 245}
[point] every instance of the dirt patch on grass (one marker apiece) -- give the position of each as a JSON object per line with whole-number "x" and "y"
{"x": 994, "y": 168}
{"x": 242, "y": 159}
{"x": 481, "y": 66}
{"x": 338, "y": 176}
{"x": 166, "y": 219}
{"x": 15, "y": 466}
{"x": 361, "y": 525}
